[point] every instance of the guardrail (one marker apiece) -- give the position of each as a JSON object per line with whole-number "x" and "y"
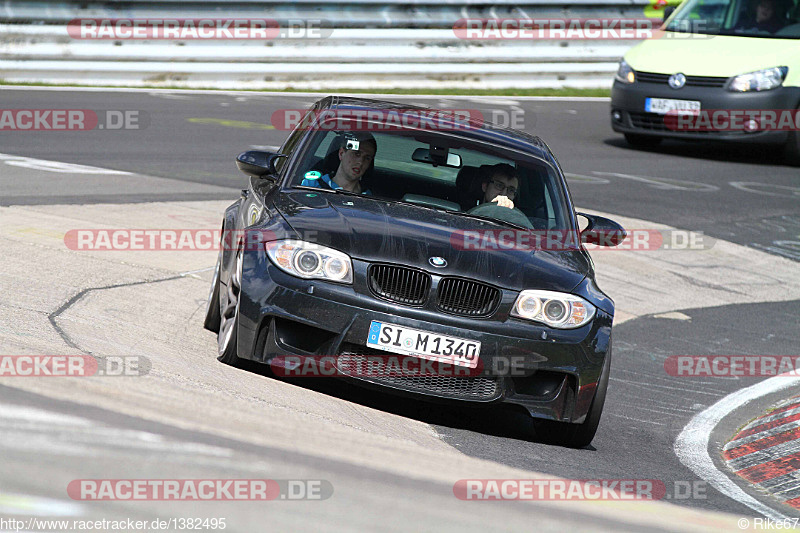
{"x": 407, "y": 49}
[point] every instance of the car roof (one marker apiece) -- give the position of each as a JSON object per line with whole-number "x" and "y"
{"x": 484, "y": 130}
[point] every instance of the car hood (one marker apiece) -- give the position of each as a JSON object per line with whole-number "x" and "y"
{"x": 712, "y": 55}
{"x": 376, "y": 231}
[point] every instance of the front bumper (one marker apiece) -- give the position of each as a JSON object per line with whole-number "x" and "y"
{"x": 629, "y": 102}
{"x": 552, "y": 373}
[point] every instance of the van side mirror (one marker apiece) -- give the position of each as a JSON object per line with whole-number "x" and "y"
{"x": 668, "y": 10}
{"x": 258, "y": 164}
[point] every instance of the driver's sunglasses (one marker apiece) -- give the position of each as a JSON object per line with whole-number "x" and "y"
{"x": 500, "y": 186}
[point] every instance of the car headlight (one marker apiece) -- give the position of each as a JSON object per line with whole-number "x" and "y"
{"x": 310, "y": 261}
{"x": 760, "y": 80}
{"x": 625, "y": 73}
{"x": 556, "y": 309}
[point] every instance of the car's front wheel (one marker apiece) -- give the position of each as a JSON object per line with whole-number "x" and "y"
{"x": 642, "y": 141}
{"x": 578, "y": 435}
{"x": 212, "y": 320}
{"x": 229, "y": 315}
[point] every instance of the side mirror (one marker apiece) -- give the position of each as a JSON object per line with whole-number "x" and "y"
{"x": 668, "y": 10}
{"x": 602, "y": 231}
{"x": 258, "y": 164}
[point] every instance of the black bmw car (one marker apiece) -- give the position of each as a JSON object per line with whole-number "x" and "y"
{"x": 381, "y": 229}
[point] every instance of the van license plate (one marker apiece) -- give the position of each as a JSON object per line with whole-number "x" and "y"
{"x": 662, "y": 106}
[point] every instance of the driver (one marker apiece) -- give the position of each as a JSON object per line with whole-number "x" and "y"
{"x": 355, "y": 158}
{"x": 769, "y": 16}
{"x": 500, "y": 185}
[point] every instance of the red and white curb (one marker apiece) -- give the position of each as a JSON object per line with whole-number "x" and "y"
{"x": 766, "y": 452}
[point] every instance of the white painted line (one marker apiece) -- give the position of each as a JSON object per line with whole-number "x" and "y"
{"x": 691, "y": 446}
{"x": 284, "y": 94}
{"x": 24, "y": 504}
{"x": 664, "y": 183}
{"x": 39, "y": 416}
{"x": 57, "y": 166}
{"x": 192, "y": 272}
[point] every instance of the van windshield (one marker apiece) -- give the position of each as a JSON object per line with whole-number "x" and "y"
{"x": 776, "y": 19}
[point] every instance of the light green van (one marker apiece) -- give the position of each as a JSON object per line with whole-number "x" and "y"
{"x": 736, "y": 61}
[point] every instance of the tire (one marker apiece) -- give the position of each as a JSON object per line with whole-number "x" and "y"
{"x": 212, "y": 320}
{"x": 791, "y": 150}
{"x": 229, "y": 316}
{"x": 578, "y": 435}
{"x": 642, "y": 141}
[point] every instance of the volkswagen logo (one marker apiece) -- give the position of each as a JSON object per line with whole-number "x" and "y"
{"x": 438, "y": 262}
{"x": 676, "y": 81}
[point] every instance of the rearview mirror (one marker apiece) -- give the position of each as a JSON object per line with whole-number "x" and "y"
{"x": 602, "y": 231}
{"x": 439, "y": 157}
{"x": 258, "y": 164}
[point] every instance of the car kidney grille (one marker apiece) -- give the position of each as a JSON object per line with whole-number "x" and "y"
{"x": 354, "y": 357}
{"x": 399, "y": 284}
{"x": 467, "y": 298}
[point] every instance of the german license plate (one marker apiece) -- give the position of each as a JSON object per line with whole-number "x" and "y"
{"x": 662, "y": 106}
{"x": 423, "y": 344}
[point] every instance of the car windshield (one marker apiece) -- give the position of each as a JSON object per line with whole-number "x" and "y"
{"x": 466, "y": 177}
{"x": 777, "y": 19}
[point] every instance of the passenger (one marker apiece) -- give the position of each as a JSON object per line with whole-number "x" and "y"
{"x": 500, "y": 185}
{"x": 355, "y": 159}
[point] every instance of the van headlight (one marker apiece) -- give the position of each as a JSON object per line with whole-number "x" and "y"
{"x": 556, "y": 309}
{"x": 625, "y": 73}
{"x": 760, "y": 80}
{"x": 310, "y": 261}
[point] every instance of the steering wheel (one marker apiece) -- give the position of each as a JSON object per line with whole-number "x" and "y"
{"x": 492, "y": 210}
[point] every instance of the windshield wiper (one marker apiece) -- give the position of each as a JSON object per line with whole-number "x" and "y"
{"x": 439, "y": 209}
{"x": 490, "y": 219}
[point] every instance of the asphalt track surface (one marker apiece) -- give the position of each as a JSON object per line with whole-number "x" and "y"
{"x": 743, "y": 195}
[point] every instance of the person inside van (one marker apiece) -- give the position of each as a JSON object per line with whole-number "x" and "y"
{"x": 766, "y": 16}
